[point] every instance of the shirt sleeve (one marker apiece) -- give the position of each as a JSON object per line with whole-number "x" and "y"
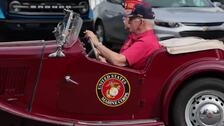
{"x": 136, "y": 52}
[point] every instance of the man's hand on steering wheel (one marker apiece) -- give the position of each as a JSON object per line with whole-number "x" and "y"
{"x": 93, "y": 42}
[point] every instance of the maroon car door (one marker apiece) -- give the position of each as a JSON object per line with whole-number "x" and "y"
{"x": 96, "y": 90}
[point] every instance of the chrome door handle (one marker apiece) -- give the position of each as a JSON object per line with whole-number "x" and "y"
{"x": 68, "y": 79}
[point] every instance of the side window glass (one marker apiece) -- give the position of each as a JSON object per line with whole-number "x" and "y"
{"x": 198, "y": 3}
{"x": 183, "y": 2}
{"x": 114, "y": 1}
{"x": 201, "y": 3}
{"x": 109, "y": 1}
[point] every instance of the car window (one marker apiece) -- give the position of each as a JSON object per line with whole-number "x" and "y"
{"x": 113, "y": 1}
{"x": 179, "y": 3}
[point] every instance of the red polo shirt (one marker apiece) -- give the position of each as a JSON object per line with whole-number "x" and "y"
{"x": 138, "y": 47}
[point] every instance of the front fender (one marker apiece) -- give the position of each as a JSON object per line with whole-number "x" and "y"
{"x": 32, "y": 116}
{"x": 182, "y": 75}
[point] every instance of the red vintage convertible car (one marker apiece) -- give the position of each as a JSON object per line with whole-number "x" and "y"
{"x": 60, "y": 82}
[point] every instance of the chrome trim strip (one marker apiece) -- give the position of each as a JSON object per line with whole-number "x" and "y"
{"x": 38, "y": 13}
{"x": 39, "y": 21}
{"x": 119, "y": 122}
{"x": 48, "y": 6}
{"x": 43, "y": 9}
{"x": 37, "y": 78}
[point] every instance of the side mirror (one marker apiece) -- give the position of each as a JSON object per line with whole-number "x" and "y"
{"x": 217, "y": 4}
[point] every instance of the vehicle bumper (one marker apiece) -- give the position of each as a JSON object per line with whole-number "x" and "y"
{"x": 207, "y": 32}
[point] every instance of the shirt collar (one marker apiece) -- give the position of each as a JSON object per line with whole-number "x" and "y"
{"x": 138, "y": 36}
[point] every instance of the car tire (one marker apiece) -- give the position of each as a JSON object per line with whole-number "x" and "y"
{"x": 199, "y": 103}
{"x": 100, "y": 32}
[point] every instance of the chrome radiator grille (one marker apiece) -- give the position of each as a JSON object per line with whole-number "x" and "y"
{"x": 216, "y": 34}
{"x": 46, "y": 7}
{"x": 203, "y": 24}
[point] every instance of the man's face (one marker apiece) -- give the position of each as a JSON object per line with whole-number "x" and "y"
{"x": 132, "y": 23}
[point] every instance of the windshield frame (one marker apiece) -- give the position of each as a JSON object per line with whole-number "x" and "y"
{"x": 67, "y": 31}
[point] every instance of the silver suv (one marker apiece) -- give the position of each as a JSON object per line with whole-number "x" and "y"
{"x": 173, "y": 18}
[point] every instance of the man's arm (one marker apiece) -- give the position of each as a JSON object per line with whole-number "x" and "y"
{"x": 111, "y": 56}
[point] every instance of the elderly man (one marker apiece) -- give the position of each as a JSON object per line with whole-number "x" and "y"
{"x": 140, "y": 44}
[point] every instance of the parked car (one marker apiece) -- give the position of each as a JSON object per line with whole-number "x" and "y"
{"x": 41, "y": 14}
{"x": 60, "y": 82}
{"x": 173, "y": 18}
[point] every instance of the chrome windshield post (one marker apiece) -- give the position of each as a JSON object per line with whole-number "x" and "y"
{"x": 61, "y": 32}
{"x": 57, "y": 53}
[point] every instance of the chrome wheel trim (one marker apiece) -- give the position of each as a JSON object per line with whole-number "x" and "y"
{"x": 206, "y": 108}
{"x": 100, "y": 32}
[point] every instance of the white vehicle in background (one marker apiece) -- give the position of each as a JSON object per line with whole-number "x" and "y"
{"x": 174, "y": 18}
{"x": 181, "y": 18}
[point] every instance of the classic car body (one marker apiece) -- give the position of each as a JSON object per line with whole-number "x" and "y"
{"x": 69, "y": 87}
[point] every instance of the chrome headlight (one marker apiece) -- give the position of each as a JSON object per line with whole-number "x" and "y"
{"x": 14, "y": 6}
{"x": 167, "y": 24}
{"x": 84, "y": 7}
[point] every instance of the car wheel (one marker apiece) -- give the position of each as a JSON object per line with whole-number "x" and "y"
{"x": 200, "y": 103}
{"x": 100, "y": 32}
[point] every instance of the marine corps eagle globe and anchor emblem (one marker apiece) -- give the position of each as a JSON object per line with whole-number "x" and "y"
{"x": 113, "y": 89}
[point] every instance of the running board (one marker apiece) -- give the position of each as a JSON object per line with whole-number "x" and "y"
{"x": 140, "y": 122}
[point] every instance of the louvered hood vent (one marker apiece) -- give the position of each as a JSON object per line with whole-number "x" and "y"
{"x": 13, "y": 80}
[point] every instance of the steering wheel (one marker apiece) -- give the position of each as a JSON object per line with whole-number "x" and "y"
{"x": 94, "y": 50}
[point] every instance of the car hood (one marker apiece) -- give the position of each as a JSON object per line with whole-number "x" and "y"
{"x": 190, "y": 14}
{"x": 26, "y": 48}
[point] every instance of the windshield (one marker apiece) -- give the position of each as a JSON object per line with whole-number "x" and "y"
{"x": 67, "y": 31}
{"x": 74, "y": 30}
{"x": 179, "y": 3}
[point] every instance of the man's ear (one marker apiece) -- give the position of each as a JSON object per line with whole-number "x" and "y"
{"x": 142, "y": 21}
{"x": 123, "y": 3}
